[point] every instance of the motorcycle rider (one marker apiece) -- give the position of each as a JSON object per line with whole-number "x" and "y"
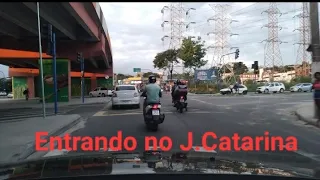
{"x": 180, "y": 90}
{"x": 172, "y": 89}
{"x": 152, "y": 92}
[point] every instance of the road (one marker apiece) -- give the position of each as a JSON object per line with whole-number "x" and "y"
{"x": 250, "y": 115}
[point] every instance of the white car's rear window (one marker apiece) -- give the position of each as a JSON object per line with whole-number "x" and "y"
{"x": 124, "y": 88}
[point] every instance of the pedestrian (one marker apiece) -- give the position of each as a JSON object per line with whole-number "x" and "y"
{"x": 316, "y": 95}
{"x": 26, "y": 93}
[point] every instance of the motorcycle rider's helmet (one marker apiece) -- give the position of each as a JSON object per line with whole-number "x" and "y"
{"x": 178, "y": 82}
{"x": 152, "y": 79}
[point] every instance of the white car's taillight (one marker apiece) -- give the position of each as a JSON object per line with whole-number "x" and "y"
{"x": 135, "y": 95}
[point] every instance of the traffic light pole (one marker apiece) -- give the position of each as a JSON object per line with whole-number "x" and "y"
{"x": 55, "y": 87}
{"x": 82, "y": 78}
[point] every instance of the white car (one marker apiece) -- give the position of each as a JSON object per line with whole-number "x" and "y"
{"x": 100, "y": 92}
{"x": 125, "y": 95}
{"x": 242, "y": 90}
{"x": 10, "y": 95}
{"x": 301, "y": 87}
{"x": 3, "y": 93}
{"x": 271, "y": 87}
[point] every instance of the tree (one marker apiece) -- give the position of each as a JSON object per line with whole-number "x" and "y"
{"x": 146, "y": 75}
{"x": 192, "y": 53}
{"x": 240, "y": 68}
{"x": 122, "y": 76}
{"x": 165, "y": 58}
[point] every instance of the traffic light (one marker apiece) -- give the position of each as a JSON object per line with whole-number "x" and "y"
{"x": 237, "y": 54}
{"x": 255, "y": 67}
{"x": 79, "y": 56}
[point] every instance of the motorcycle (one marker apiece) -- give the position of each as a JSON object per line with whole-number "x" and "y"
{"x": 153, "y": 116}
{"x": 181, "y": 104}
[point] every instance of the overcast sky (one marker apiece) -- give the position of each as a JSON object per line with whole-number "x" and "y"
{"x": 136, "y": 32}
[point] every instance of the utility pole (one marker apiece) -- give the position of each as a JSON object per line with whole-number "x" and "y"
{"x": 272, "y": 54}
{"x": 314, "y": 46}
{"x": 302, "y": 66}
{"x": 314, "y": 24}
{"x": 221, "y": 33}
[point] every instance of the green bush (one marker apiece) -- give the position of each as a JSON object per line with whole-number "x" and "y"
{"x": 203, "y": 88}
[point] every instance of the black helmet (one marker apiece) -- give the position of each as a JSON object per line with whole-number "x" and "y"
{"x": 152, "y": 79}
{"x": 178, "y": 82}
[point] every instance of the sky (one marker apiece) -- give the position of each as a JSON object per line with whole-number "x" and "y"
{"x": 135, "y": 31}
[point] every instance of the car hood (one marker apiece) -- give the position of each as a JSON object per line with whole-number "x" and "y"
{"x": 59, "y": 164}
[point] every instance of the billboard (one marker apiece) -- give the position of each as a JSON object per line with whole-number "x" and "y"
{"x": 62, "y": 80}
{"x": 204, "y": 75}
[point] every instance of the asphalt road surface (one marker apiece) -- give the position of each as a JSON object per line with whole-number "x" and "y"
{"x": 249, "y": 115}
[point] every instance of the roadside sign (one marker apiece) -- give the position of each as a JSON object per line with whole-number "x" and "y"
{"x": 136, "y": 69}
{"x": 106, "y": 77}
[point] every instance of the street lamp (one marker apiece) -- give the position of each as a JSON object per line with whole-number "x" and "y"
{"x": 41, "y": 62}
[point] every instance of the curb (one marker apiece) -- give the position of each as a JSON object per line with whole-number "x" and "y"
{"x": 70, "y": 105}
{"x": 31, "y": 150}
{"x": 300, "y": 117}
{"x": 23, "y": 117}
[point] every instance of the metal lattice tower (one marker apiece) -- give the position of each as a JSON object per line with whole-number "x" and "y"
{"x": 302, "y": 66}
{"x": 272, "y": 53}
{"x": 177, "y": 23}
{"x": 221, "y": 36}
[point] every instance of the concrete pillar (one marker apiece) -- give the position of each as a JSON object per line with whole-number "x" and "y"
{"x": 93, "y": 82}
{"x": 30, "y": 84}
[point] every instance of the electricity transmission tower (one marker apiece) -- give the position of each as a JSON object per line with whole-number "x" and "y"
{"x": 221, "y": 36}
{"x": 302, "y": 66}
{"x": 272, "y": 55}
{"x": 178, "y": 26}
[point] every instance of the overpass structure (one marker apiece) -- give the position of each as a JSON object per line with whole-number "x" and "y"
{"x": 79, "y": 27}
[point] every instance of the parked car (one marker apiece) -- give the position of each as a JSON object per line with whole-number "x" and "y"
{"x": 242, "y": 90}
{"x": 10, "y": 95}
{"x": 125, "y": 95}
{"x": 3, "y": 93}
{"x": 301, "y": 87}
{"x": 100, "y": 92}
{"x": 271, "y": 87}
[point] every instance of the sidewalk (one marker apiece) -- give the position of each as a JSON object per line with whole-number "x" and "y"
{"x": 305, "y": 112}
{"x": 35, "y": 103}
{"x": 17, "y": 138}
